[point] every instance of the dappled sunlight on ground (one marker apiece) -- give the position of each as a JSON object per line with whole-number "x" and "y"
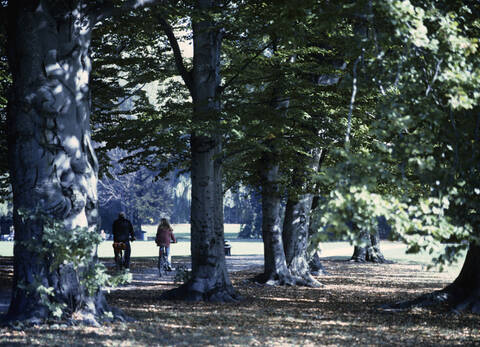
{"x": 343, "y": 312}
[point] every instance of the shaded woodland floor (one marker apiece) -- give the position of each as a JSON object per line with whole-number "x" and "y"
{"x": 343, "y": 312}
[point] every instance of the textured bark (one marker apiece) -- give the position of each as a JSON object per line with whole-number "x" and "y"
{"x": 370, "y": 252}
{"x": 315, "y": 265}
{"x": 314, "y": 262}
{"x": 53, "y": 167}
{"x": 210, "y": 280}
{"x": 275, "y": 269}
{"x": 296, "y": 226}
{"x": 462, "y": 295}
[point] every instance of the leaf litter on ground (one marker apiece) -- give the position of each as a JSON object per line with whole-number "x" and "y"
{"x": 342, "y": 312}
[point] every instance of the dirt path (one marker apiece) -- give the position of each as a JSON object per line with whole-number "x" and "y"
{"x": 145, "y": 277}
{"x": 148, "y": 276}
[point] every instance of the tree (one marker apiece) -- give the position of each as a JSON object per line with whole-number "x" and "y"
{"x": 52, "y": 163}
{"x": 296, "y": 224}
{"x": 369, "y": 250}
{"x": 209, "y": 281}
{"x": 289, "y": 106}
{"x": 440, "y": 135}
{"x": 421, "y": 58}
{"x": 5, "y": 82}
{"x": 251, "y": 219}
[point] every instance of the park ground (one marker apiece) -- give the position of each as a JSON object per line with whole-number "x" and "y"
{"x": 343, "y": 312}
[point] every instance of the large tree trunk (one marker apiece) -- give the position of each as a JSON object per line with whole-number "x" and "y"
{"x": 369, "y": 251}
{"x": 296, "y": 225}
{"x": 275, "y": 269}
{"x": 53, "y": 167}
{"x": 464, "y": 292}
{"x": 210, "y": 281}
{"x": 461, "y": 295}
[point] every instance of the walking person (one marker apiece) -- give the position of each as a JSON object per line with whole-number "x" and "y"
{"x": 122, "y": 230}
{"x": 163, "y": 238}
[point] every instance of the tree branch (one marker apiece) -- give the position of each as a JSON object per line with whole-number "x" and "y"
{"x": 437, "y": 70}
{"x": 244, "y": 66}
{"x": 108, "y": 9}
{"x": 177, "y": 53}
{"x": 127, "y": 97}
{"x": 352, "y": 102}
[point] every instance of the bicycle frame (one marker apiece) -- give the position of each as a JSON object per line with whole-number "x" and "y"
{"x": 163, "y": 265}
{"x": 119, "y": 252}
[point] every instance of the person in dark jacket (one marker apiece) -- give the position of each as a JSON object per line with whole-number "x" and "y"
{"x": 122, "y": 230}
{"x": 163, "y": 238}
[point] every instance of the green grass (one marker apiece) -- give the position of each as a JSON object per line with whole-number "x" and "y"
{"x": 182, "y": 231}
{"x": 394, "y": 251}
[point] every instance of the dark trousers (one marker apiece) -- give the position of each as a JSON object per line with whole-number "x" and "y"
{"x": 126, "y": 256}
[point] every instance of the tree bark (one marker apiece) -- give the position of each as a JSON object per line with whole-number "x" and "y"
{"x": 275, "y": 268}
{"x": 314, "y": 262}
{"x": 462, "y": 295}
{"x": 296, "y": 225}
{"x": 370, "y": 251}
{"x": 53, "y": 167}
{"x": 315, "y": 265}
{"x": 210, "y": 280}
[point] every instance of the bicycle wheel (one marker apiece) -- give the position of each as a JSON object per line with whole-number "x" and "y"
{"x": 118, "y": 259}
{"x": 162, "y": 261}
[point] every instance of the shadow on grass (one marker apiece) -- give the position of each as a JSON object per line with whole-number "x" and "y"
{"x": 342, "y": 313}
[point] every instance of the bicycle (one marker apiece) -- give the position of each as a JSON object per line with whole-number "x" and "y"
{"x": 118, "y": 249}
{"x": 163, "y": 266}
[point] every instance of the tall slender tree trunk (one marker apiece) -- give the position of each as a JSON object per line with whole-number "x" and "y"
{"x": 275, "y": 268}
{"x": 296, "y": 224}
{"x": 210, "y": 280}
{"x": 314, "y": 261}
{"x": 53, "y": 167}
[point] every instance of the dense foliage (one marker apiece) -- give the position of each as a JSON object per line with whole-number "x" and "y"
{"x": 424, "y": 60}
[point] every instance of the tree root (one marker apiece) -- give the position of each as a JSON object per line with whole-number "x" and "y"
{"x": 371, "y": 260}
{"x": 93, "y": 313}
{"x": 308, "y": 281}
{"x": 316, "y": 267}
{"x": 305, "y": 280}
{"x": 274, "y": 279}
{"x": 426, "y": 300}
{"x": 369, "y": 255}
{"x": 451, "y": 298}
{"x": 194, "y": 291}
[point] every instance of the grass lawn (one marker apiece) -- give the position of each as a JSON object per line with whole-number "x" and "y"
{"x": 182, "y": 231}
{"x": 394, "y": 251}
